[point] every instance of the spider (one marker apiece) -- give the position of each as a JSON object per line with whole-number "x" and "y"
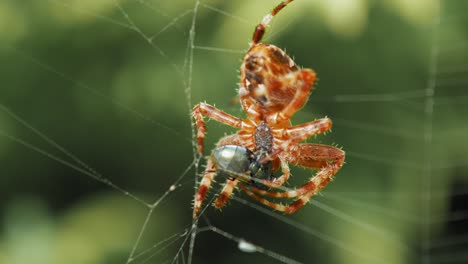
{"x": 272, "y": 89}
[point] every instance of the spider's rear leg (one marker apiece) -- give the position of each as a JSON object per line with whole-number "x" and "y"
{"x": 327, "y": 159}
{"x": 276, "y": 182}
{"x": 225, "y": 193}
{"x": 205, "y": 185}
{"x": 229, "y": 186}
{"x": 317, "y": 156}
{"x": 204, "y": 109}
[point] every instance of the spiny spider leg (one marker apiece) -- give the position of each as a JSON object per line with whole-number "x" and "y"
{"x": 316, "y": 156}
{"x": 205, "y": 184}
{"x": 230, "y": 185}
{"x": 313, "y": 156}
{"x": 279, "y": 181}
{"x": 327, "y": 159}
{"x": 306, "y": 130}
{"x": 260, "y": 28}
{"x": 204, "y": 109}
{"x": 208, "y": 176}
{"x": 296, "y": 134}
{"x": 225, "y": 193}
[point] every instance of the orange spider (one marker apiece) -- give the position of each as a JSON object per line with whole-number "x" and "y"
{"x": 272, "y": 89}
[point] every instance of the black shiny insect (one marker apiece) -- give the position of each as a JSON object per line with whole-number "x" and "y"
{"x": 233, "y": 161}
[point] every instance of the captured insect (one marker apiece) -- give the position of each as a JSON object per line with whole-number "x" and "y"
{"x": 234, "y": 161}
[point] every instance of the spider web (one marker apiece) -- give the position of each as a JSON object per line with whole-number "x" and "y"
{"x": 399, "y": 199}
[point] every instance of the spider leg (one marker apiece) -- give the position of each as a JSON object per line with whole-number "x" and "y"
{"x": 287, "y": 137}
{"x": 208, "y": 177}
{"x": 277, "y": 182}
{"x": 304, "y": 131}
{"x": 317, "y": 156}
{"x": 225, "y": 193}
{"x": 300, "y": 132}
{"x": 327, "y": 159}
{"x": 205, "y": 185}
{"x": 260, "y": 29}
{"x": 289, "y": 209}
{"x": 204, "y": 109}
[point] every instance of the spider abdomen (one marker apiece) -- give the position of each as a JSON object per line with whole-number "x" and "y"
{"x": 269, "y": 77}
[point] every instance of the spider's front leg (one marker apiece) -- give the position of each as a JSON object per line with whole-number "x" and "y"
{"x": 204, "y": 109}
{"x": 327, "y": 160}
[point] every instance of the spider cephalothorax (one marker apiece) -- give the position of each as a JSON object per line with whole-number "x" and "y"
{"x": 272, "y": 89}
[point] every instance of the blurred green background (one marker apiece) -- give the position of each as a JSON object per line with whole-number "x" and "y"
{"x": 112, "y": 83}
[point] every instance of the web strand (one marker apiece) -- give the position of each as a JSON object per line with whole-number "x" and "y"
{"x": 428, "y": 137}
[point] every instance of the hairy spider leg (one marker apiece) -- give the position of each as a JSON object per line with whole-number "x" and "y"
{"x": 313, "y": 156}
{"x": 285, "y": 138}
{"x": 230, "y": 185}
{"x": 306, "y": 130}
{"x": 316, "y": 156}
{"x": 279, "y": 181}
{"x": 210, "y": 173}
{"x": 260, "y": 28}
{"x": 205, "y": 185}
{"x": 225, "y": 193}
{"x": 204, "y": 109}
{"x": 328, "y": 160}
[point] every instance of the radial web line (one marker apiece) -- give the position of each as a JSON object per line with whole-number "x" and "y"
{"x": 158, "y": 247}
{"x": 88, "y": 12}
{"x": 85, "y": 169}
{"x": 306, "y": 229}
{"x": 257, "y": 248}
{"x": 216, "y": 49}
{"x": 98, "y": 93}
{"x": 428, "y": 127}
{"x": 374, "y": 97}
{"x": 149, "y": 39}
{"x": 224, "y": 13}
{"x": 72, "y": 166}
{"x": 364, "y": 225}
{"x": 372, "y": 207}
{"x": 172, "y": 188}
{"x": 188, "y": 94}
